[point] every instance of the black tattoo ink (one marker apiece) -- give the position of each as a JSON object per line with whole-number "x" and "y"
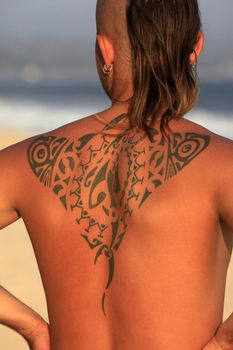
{"x": 85, "y": 176}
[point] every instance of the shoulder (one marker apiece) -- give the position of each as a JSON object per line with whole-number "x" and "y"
{"x": 220, "y": 152}
{"x": 15, "y": 159}
{"x": 222, "y": 160}
{"x": 218, "y": 168}
{"x": 71, "y": 131}
{"x": 77, "y": 128}
{"x": 216, "y": 161}
{"x": 222, "y": 168}
{"x": 218, "y": 145}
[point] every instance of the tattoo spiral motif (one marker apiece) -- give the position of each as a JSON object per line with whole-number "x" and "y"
{"x": 87, "y": 177}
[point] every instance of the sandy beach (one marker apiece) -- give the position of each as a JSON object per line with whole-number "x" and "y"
{"x": 19, "y": 272}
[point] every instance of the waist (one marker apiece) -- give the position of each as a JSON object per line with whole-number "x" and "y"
{"x": 140, "y": 335}
{"x": 131, "y": 322}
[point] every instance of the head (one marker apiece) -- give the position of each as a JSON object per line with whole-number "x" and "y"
{"x": 153, "y": 46}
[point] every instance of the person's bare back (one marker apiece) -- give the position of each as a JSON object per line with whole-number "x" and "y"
{"x": 126, "y": 233}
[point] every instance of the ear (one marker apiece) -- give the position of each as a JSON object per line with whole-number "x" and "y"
{"x": 106, "y": 49}
{"x": 197, "y": 49}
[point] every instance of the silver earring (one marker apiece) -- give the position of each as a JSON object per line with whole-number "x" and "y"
{"x": 107, "y": 70}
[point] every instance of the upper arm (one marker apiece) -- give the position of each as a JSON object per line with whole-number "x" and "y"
{"x": 224, "y": 178}
{"x": 9, "y": 185}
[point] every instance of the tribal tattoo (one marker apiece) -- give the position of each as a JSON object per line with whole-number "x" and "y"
{"x": 103, "y": 178}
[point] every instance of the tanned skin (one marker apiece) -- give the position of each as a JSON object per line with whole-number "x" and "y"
{"x": 132, "y": 236}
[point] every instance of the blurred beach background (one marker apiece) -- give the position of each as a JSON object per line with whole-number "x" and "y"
{"x": 48, "y": 78}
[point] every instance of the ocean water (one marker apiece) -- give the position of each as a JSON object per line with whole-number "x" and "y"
{"x": 42, "y": 108}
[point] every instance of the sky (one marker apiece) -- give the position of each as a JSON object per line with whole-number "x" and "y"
{"x": 56, "y": 39}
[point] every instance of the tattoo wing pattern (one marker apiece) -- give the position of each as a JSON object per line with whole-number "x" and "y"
{"x": 85, "y": 175}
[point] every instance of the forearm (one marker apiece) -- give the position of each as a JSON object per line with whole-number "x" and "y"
{"x": 16, "y": 315}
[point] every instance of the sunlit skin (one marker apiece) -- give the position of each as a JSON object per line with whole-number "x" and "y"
{"x": 132, "y": 236}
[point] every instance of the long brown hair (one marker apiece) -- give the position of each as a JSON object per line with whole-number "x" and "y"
{"x": 162, "y": 34}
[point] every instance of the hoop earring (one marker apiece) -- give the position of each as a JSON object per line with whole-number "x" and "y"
{"x": 194, "y": 66}
{"x": 107, "y": 70}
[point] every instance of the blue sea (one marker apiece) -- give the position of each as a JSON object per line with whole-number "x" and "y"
{"x": 45, "y": 107}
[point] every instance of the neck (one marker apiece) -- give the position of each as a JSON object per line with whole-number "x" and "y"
{"x": 120, "y": 104}
{"x": 116, "y": 109}
{"x": 121, "y": 92}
